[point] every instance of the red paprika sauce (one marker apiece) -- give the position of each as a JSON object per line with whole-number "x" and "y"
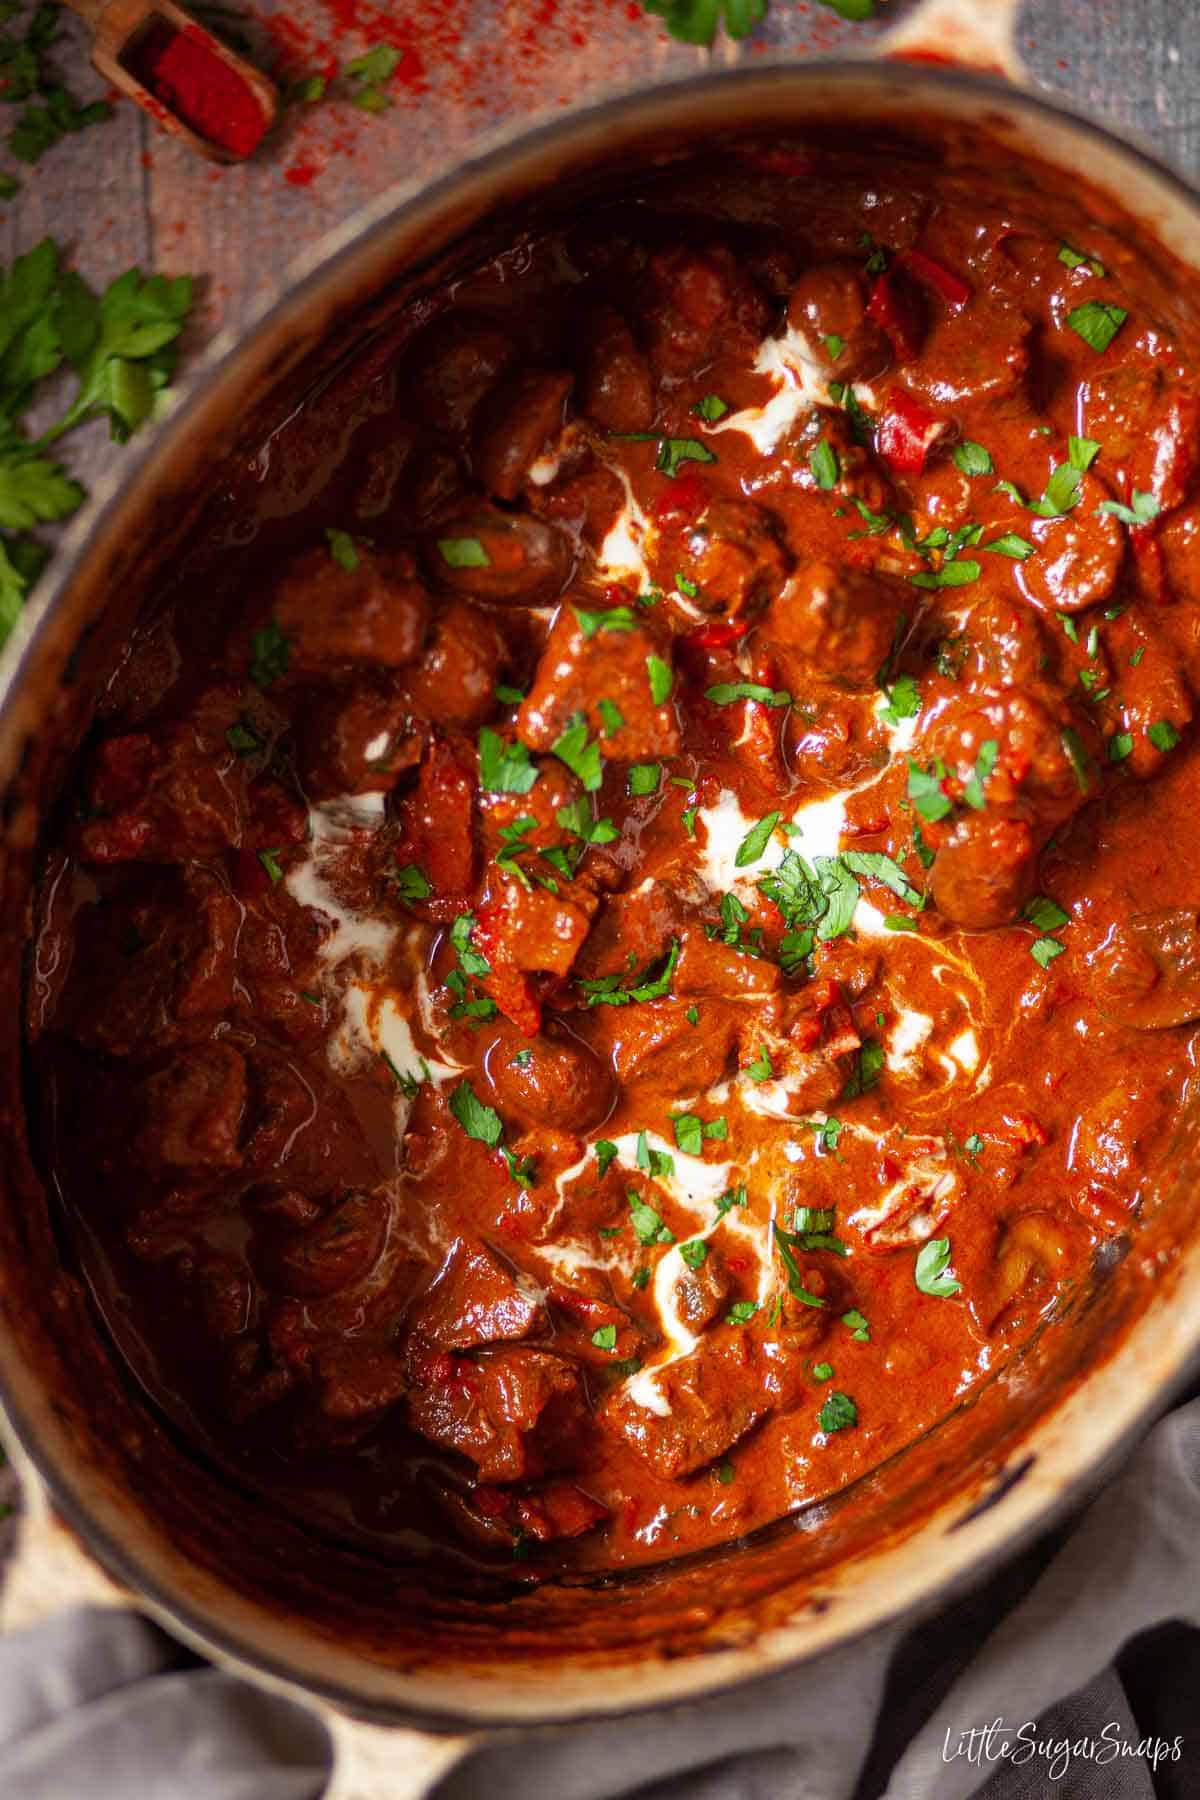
{"x": 181, "y": 69}
{"x": 631, "y": 937}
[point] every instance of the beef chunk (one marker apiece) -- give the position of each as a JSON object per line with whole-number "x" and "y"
{"x": 191, "y": 1111}
{"x": 615, "y": 385}
{"x": 501, "y": 557}
{"x": 836, "y": 623}
{"x": 595, "y": 655}
{"x": 475, "y": 1300}
{"x": 357, "y": 739}
{"x": 712, "y": 1400}
{"x": 451, "y": 365}
{"x": 513, "y": 1412}
{"x": 373, "y": 614}
{"x": 437, "y": 822}
{"x": 337, "y": 1251}
{"x": 829, "y": 302}
{"x": 732, "y": 553}
{"x": 516, "y": 422}
{"x": 701, "y": 1293}
{"x": 454, "y": 683}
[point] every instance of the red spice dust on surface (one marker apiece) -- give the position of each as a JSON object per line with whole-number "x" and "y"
{"x": 184, "y": 73}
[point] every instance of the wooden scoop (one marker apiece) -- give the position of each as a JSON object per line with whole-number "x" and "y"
{"x": 122, "y": 27}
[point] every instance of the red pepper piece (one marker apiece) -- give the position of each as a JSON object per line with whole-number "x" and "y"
{"x": 721, "y": 634}
{"x": 895, "y": 309}
{"x": 953, "y": 289}
{"x": 906, "y": 433}
{"x": 684, "y": 497}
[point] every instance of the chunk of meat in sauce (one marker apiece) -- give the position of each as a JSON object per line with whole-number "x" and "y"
{"x": 475, "y": 1299}
{"x": 514, "y": 1412}
{"x": 829, "y": 305}
{"x": 711, "y": 1399}
{"x": 615, "y": 387}
{"x": 732, "y": 554}
{"x": 515, "y": 424}
{"x": 836, "y": 623}
{"x": 485, "y": 554}
{"x": 358, "y": 738}
{"x": 337, "y": 1251}
{"x": 454, "y": 682}
{"x": 451, "y": 365}
{"x": 192, "y": 1111}
{"x": 437, "y": 822}
{"x": 373, "y": 615}
{"x": 551, "y": 1080}
{"x": 702, "y": 1290}
{"x": 601, "y": 656}
{"x": 695, "y": 300}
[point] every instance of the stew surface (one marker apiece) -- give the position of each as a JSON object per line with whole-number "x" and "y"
{"x": 627, "y": 928}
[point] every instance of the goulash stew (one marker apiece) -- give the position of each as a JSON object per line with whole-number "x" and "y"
{"x": 627, "y": 926}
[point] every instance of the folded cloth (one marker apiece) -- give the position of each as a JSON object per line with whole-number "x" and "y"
{"x": 1074, "y": 1672}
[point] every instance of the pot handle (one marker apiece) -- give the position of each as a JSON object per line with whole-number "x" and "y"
{"x": 50, "y": 1571}
{"x": 978, "y": 33}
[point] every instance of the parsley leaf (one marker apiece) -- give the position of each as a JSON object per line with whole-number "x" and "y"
{"x": 644, "y": 779}
{"x": 971, "y": 458}
{"x": 755, "y": 842}
{"x": 710, "y": 408}
{"x": 270, "y": 653}
{"x": 606, "y": 1155}
{"x": 673, "y": 451}
{"x": 1045, "y": 914}
{"x": 926, "y": 792}
{"x": 662, "y": 679}
{"x": 1162, "y": 735}
{"x": 581, "y": 757}
{"x": 463, "y": 553}
{"x": 823, "y": 461}
{"x": 837, "y": 1414}
{"x": 762, "y": 1068}
{"x": 504, "y": 768}
{"x": 342, "y": 548}
{"x": 410, "y": 882}
{"x": 1045, "y": 949}
{"x": 933, "y": 1259}
{"x": 478, "y": 1121}
{"x": 1145, "y": 507}
{"x": 606, "y": 990}
{"x": 696, "y": 21}
{"x": 1010, "y": 544}
{"x": 725, "y": 693}
{"x": 951, "y": 574}
{"x": 1097, "y": 322}
{"x": 612, "y": 618}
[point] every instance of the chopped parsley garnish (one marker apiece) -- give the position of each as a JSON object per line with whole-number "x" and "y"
{"x": 903, "y": 700}
{"x": 929, "y": 1272}
{"x": 508, "y": 696}
{"x": 726, "y": 1470}
{"x": 822, "y": 1371}
{"x": 1045, "y": 949}
{"x": 662, "y": 679}
{"x": 837, "y": 1414}
{"x": 469, "y": 959}
{"x": 1074, "y": 259}
{"x": 612, "y": 618}
{"x": 485, "y": 1125}
{"x": 576, "y": 817}
{"x": 611, "y": 716}
{"x": 606, "y": 990}
{"x": 644, "y": 778}
{"x": 691, "y": 1131}
{"x": 606, "y": 1155}
{"x": 1070, "y": 628}
{"x": 971, "y": 458}
{"x": 270, "y": 653}
{"x": 926, "y": 792}
{"x": 710, "y": 408}
{"x": 1120, "y": 745}
{"x": 1145, "y": 508}
{"x": 1162, "y": 735}
{"x": 1082, "y": 452}
{"x": 973, "y": 1146}
{"x": 1097, "y": 322}
{"x": 730, "y": 1198}
{"x": 823, "y": 461}
{"x": 605, "y": 1337}
{"x": 899, "y": 922}
{"x": 741, "y": 1312}
{"x": 868, "y": 1067}
{"x": 951, "y": 574}
{"x": 270, "y": 862}
{"x": 640, "y": 1279}
{"x": 242, "y": 738}
{"x": 880, "y": 867}
{"x": 725, "y": 693}
{"x": 1012, "y": 545}
{"x": 409, "y": 882}
{"x": 463, "y": 553}
{"x": 857, "y": 1326}
{"x": 1077, "y": 756}
{"x": 762, "y": 1068}
{"x": 504, "y": 768}
{"x": 1045, "y": 914}
{"x": 582, "y": 757}
{"x": 985, "y": 763}
{"x": 647, "y": 1225}
{"x": 405, "y": 1080}
{"x": 655, "y": 1162}
{"x": 342, "y": 549}
{"x": 755, "y": 842}
{"x": 695, "y": 1253}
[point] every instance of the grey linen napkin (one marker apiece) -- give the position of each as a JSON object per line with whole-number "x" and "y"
{"x": 1083, "y": 1650}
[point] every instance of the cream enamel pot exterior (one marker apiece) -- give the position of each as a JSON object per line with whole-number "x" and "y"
{"x": 1043, "y": 1434}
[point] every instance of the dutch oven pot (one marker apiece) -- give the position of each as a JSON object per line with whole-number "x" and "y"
{"x": 320, "y": 1619}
